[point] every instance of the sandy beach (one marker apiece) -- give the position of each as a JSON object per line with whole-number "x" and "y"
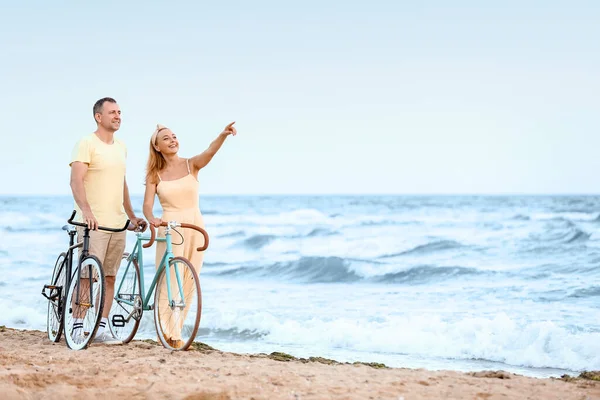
{"x": 31, "y": 367}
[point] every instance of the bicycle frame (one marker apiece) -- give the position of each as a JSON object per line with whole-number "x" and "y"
{"x": 84, "y": 253}
{"x": 137, "y": 255}
{"x": 68, "y": 265}
{"x": 59, "y": 293}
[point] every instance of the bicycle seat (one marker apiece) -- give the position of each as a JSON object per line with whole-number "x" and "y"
{"x": 68, "y": 228}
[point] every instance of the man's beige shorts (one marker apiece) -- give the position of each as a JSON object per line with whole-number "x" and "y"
{"x": 107, "y": 246}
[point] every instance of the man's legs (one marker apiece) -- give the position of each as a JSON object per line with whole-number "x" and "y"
{"x": 110, "y": 294}
{"x": 98, "y": 244}
{"x": 111, "y": 264}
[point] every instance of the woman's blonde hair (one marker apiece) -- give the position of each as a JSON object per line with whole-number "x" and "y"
{"x": 156, "y": 161}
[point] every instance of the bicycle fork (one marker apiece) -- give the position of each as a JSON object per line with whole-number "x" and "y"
{"x": 91, "y": 289}
{"x": 172, "y": 302}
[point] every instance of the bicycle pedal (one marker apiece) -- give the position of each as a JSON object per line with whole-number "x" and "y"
{"x": 55, "y": 292}
{"x": 51, "y": 287}
{"x": 118, "y": 321}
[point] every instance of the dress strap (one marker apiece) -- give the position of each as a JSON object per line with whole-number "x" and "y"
{"x": 159, "y": 180}
{"x": 187, "y": 160}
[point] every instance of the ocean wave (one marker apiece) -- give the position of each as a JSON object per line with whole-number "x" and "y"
{"x": 322, "y": 232}
{"x": 577, "y": 237}
{"x": 564, "y": 216}
{"x": 306, "y": 270}
{"x": 258, "y": 241}
{"x": 498, "y": 338}
{"x": 579, "y": 216}
{"x": 342, "y": 270}
{"x": 24, "y": 315}
{"x": 212, "y": 212}
{"x": 576, "y": 210}
{"x": 593, "y": 291}
{"x": 386, "y": 222}
{"x": 214, "y": 264}
{"x": 427, "y": 248}
{"x": 572, "y": 269}
{"x": 235, "y": 334}
{"x": 565, "y": 222}
{"x": 427, "y": 273}
{"x": 569, "y": 236}
{"x": 560, "y": 230}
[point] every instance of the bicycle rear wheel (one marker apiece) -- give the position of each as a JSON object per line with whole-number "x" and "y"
{"x": 177, "y": 322}
{"x": 82, "y": 318}
{"x": 54, "y": 319}
{"x": 126, "y": 311}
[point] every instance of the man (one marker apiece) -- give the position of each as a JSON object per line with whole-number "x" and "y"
{"x": 102, "y": 198}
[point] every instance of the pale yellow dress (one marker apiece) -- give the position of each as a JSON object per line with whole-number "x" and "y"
{"x": 179, "y": 200}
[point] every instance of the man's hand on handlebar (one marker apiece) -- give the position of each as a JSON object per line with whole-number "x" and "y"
{"x": 90, "y": 220}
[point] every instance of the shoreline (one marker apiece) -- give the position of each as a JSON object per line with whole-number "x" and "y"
{"x": 282, "y": 355}
{"x": 33, "y": 367}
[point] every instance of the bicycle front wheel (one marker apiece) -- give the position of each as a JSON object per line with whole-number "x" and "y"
{"x": 177, "y": 318}
{"x": 84, "y": 304}
{"x": 127, "y": 308}
{"x": 54, "y": 319}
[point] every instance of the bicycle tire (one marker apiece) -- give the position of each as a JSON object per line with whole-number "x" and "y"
{"x": 54, "y": 318}
{"x": 169, "y": 325}
{"x": 81, "y": 338}
{"x": 127, "y": 287}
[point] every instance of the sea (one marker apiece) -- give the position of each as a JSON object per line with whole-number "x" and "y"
{"x": 463, "y": 283}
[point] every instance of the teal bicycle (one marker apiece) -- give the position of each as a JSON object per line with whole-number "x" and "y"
{"x": 177, "y": 302}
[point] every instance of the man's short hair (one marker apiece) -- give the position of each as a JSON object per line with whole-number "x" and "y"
{"x": 100, "y": 104}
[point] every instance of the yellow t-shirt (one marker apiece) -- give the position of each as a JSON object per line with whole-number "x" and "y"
{"x": 105, "y": 179}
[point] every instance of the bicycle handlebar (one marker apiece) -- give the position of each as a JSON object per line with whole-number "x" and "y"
{"x": 183, "y": 225}
{"x": 103, "y": 228}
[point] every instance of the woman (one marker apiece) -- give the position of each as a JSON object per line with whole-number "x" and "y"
{"x": 174, "y": 180}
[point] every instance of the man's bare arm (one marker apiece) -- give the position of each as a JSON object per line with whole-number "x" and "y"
{"x": 129, "y": 209}
{"x": 78, "y": 172}
{"x": 127, "y": 202}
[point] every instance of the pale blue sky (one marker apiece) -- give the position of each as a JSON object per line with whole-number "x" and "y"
{"x": 329, "y": 97}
